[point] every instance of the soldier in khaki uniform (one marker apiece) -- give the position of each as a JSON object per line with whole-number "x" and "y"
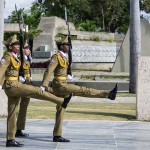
{"x": 60, "y": 87}
{"x": 24, "y": 102}
{"x": 9, "y": 69}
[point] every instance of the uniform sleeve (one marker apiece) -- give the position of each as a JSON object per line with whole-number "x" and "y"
{"x": 49, "y": 71}
{"x": 4, "y": 63}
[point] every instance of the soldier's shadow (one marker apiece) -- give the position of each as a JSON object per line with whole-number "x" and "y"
{"x": 38, "y": 138}
{"x": 117, "y": 115}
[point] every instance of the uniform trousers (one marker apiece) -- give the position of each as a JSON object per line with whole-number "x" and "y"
{"x": 14, "y": 90}
{"x": 62, "y": 89}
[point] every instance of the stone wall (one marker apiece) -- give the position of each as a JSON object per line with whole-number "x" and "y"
{"x": 97, "y": 52}
{"x": 14, "y": 27}
{"x": 122, "y": 61}
{"x": 85, "y": 49}
{"x": 49, "y": 27}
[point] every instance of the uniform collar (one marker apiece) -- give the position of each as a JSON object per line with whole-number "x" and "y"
{"x": 15, "y": 55}
{"x": 25, "y": 57}
{"x": 64, "y": 54}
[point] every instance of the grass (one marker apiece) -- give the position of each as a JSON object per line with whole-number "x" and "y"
{"x": 85, "y": 111}
{"x": 125, "y": 94}
{"x": 114, "y": 77}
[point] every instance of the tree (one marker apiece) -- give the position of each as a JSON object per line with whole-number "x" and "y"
{"x": 110, "y": 15}
{"x": 31, "y": 18}
{"x": 145, "y": 5}
{"x": 78, "y": 10}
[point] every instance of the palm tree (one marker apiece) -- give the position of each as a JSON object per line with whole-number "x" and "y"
{"x": 31, "y": 18}
{"x": 135, "y": 42}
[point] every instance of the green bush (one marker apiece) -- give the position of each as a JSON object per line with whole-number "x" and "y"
{"x": 87, "y": 26}
{"x": 110, "y": 40}
{"x": 73, "y": 37}
{"x": 60, "y": 35}
{"x": 95, "y": 38}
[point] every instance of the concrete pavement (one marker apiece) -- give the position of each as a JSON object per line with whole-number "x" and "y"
{"x": 84, "y": 135}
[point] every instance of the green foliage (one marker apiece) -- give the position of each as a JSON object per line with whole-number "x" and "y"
{"x": 110, "y": 40}
{"x": 31, "y": 18}
{"x": 60, "y": 36}
{"x": 88, "y": 26}
{"x": 92, "y": 15}
{"x": 145, "y": 5}
{"x": 87, "y": 15}
{"x": 95, "y": 38}
{"x": 34, "y": 32}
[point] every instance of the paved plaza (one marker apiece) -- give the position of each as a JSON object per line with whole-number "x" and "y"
{"x": 84, "y": 135}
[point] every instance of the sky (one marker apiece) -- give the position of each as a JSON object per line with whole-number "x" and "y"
{"x": 10, "y": 5}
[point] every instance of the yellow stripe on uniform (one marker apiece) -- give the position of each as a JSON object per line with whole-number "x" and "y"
{"x": 60, "y": 78}
{"x": 11, "y": 78}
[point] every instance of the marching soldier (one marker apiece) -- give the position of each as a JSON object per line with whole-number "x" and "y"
{"x": 21, "y": 120}
{"x": 60, "y": 87}
{"x": 9, "y": 69}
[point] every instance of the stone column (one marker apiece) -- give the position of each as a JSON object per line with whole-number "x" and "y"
{"x": 135, "y": 42}
{"x": 3, "y": 98}
{"x": 143, "y": 89}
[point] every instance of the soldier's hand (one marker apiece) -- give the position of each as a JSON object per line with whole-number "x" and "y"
{"x": 0, "y": 87}
{"x": 42, "y": 88}
{"x": 21, "y": 79}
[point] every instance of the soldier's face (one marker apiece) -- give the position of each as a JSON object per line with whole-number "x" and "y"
{"x": 27, "y": 51}
{"x": 15, "y": 48}
{"x": 65, "y": 48}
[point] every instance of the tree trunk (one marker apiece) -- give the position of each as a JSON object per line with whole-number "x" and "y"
{"x": 111, "y": 20}
{"x": 103, "y": 17}
{"x": 135, "y": 42}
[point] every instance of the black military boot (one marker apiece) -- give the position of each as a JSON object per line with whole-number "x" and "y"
{"x": 13, "y": 143}
{"x": 66, "y": 101}
{"x": 60, "y": 139}
{"x": 112, "y": 94}
{"x": 19, "y": 133}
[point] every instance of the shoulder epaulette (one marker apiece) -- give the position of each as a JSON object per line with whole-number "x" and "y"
{"x": 61, "y": 61}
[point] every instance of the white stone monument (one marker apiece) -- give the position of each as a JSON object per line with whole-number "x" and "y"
{"x": 143, "y": 89}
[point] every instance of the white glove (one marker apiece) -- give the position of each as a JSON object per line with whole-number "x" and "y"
{"x": 42, "y": 88}
{"x": 30, "y": 78}
{"x": 0, "y": 87}
{"x": 69, "y": 77}
{"x": 21, "y": 79}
